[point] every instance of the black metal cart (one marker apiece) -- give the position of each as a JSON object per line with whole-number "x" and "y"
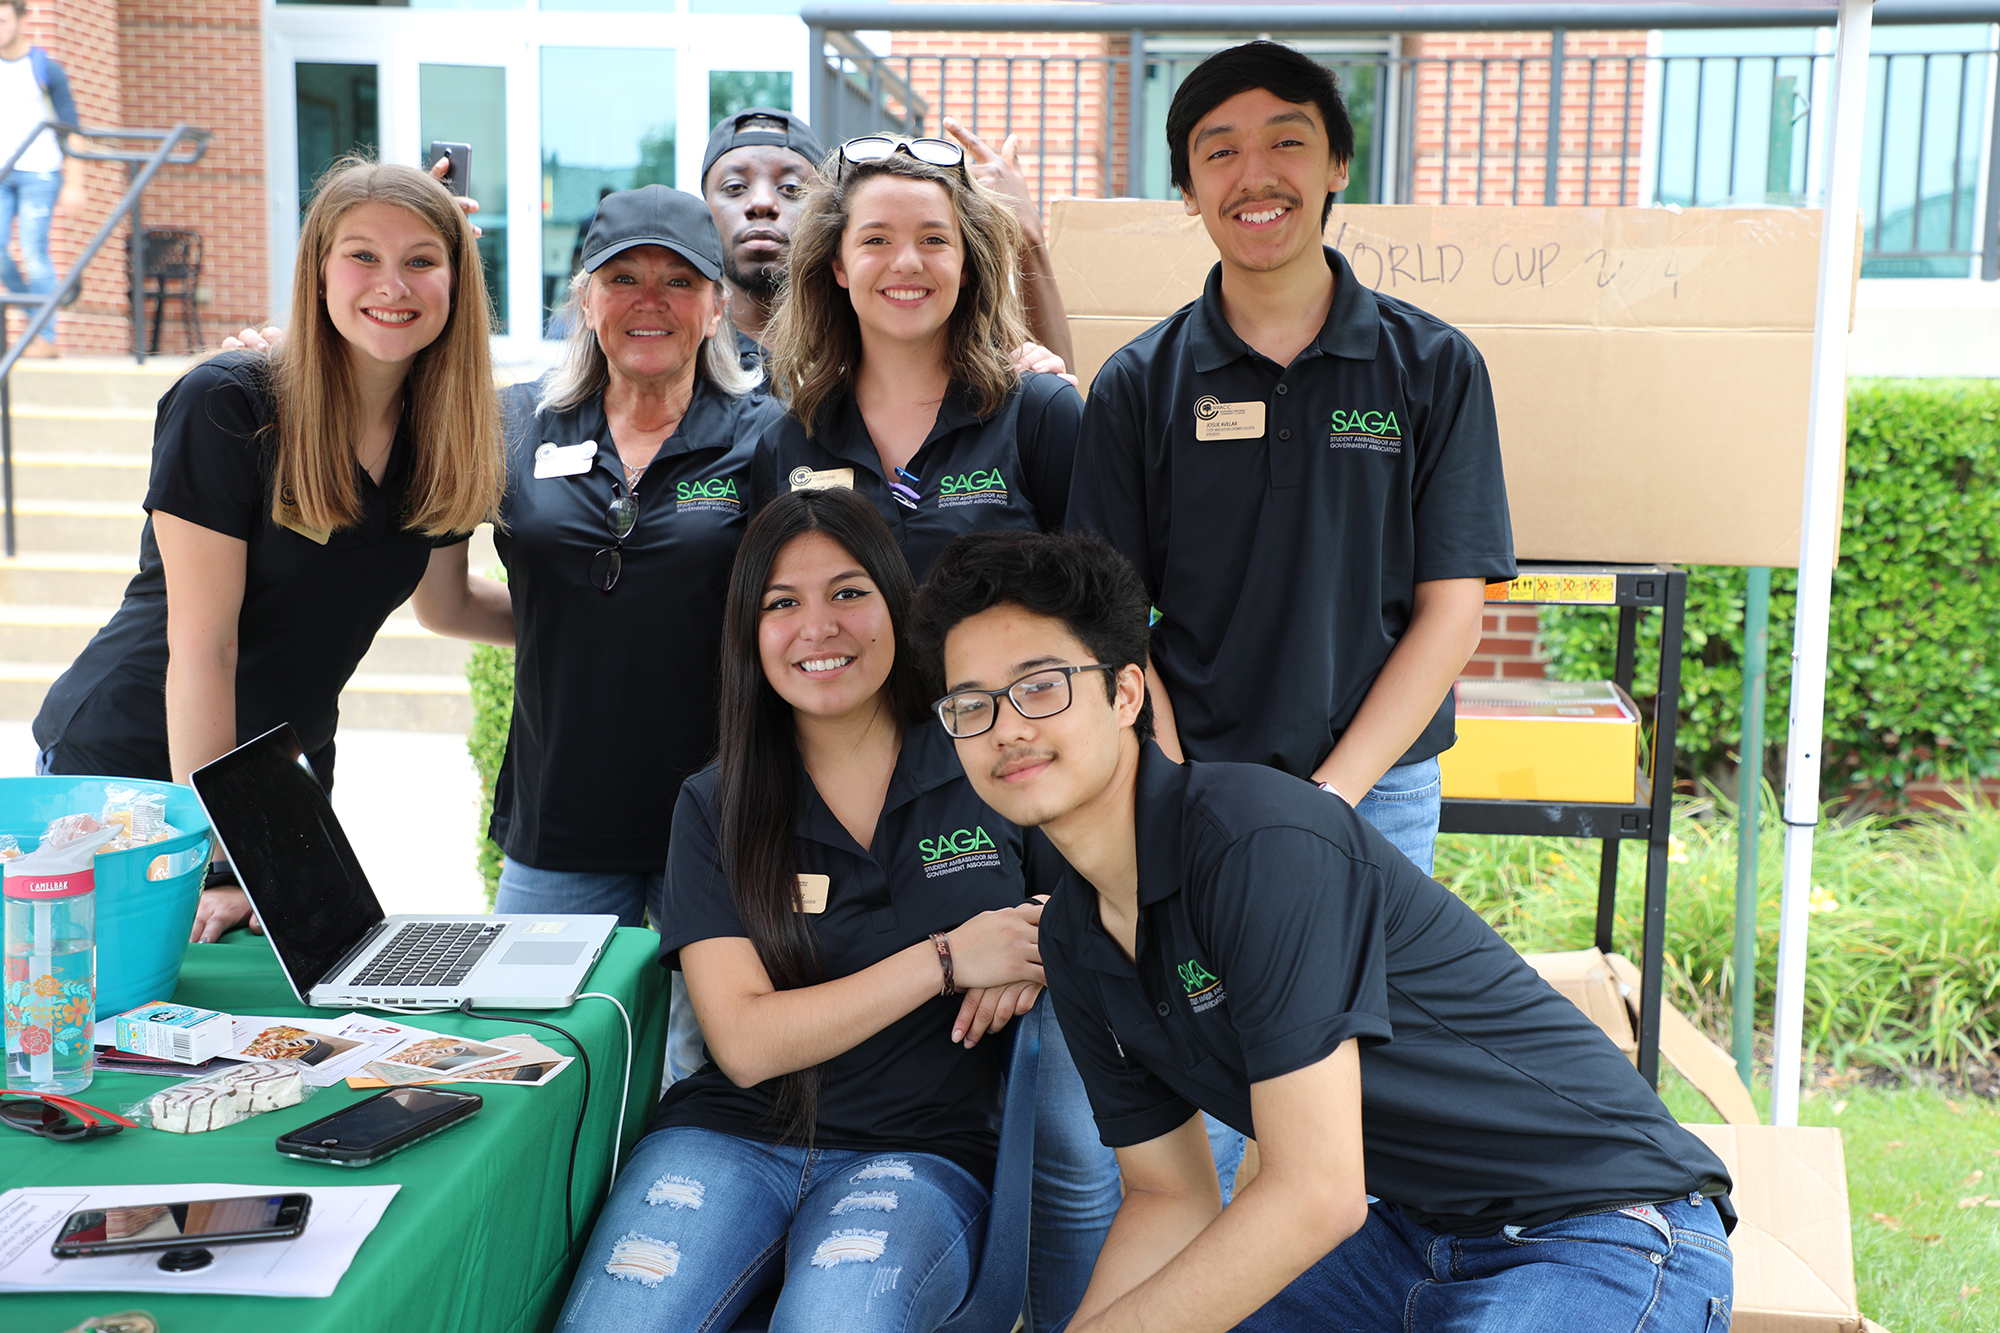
{"x": 1648, "y": 818}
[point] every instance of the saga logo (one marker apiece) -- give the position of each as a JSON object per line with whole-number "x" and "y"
{"x": 961, "y": 843}
{"x": 717, "y": 488}
{"x": 969, "y": 483}
{"x": 1355, "y": 421}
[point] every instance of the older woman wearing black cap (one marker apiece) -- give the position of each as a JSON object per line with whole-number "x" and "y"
{"x": 627, "y": 467}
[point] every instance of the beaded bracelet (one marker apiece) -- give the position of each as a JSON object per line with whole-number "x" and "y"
{"x": 945, "y": 961}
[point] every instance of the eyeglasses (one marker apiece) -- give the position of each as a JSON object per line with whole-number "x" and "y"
{"x": 1038, "y": 694}
{"x": 607, "y": 564}
{"x": 48, "y": 1115}
{"x": 881, "y": 147}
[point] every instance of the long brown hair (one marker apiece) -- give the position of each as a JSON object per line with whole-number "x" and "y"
{"x": 453, "y": 410}
{"x": 758, "y": 795}
{"x": 815, "y": 338}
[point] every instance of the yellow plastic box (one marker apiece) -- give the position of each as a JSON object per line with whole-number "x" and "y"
{"x": 1543, "y": 740}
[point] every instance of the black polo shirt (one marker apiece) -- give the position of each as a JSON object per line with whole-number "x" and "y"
{"x": 1282, "y": 516}
{"x": 749, "y": 351}
{"x": 1006, "y": 472}
{"x": 310, "y": 608}
{"x": 1275, "y": 924}
{"x": 614, "y": 693}
{"x": 940, "y": 857}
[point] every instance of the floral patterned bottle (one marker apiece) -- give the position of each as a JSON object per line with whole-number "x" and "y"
{"x": 51, "y": 953}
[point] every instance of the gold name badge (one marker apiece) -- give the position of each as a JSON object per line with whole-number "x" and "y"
{"x": 1217, "y": 420}
{"x": 805, "y": 479}
{"x": 292, "y": 520}
{"x": 812, "y": 893}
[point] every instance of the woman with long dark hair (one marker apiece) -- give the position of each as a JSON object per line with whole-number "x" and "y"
{"x": 832, "y": 885}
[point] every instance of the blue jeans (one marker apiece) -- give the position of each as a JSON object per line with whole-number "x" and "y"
{"x": 699, "y": 1222}
{"x": 31, "y": 195}
{"x": 1665, "y": 1270}
{"x": 632, "y": 896}
{"x": 1076, "y": 1189}
{"x": 1403, "y": 807}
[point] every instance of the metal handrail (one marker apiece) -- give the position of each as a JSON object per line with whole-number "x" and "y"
{"x": 140, "y": 168}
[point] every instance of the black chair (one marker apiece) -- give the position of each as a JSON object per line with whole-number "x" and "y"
{"x": 173, "y": 255}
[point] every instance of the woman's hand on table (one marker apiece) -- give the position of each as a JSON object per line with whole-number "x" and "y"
{"x": 221, "y": 910}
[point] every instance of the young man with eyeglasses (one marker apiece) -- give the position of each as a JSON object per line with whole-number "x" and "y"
{"x": 1448, "y": 1144}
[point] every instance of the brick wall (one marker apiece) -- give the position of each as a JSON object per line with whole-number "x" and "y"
{"x": 149, "y": 64}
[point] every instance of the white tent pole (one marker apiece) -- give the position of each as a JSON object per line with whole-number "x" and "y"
{"x": 1818, "y": 540}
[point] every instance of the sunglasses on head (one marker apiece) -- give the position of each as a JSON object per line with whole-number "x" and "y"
{"x": 881, "y": 147}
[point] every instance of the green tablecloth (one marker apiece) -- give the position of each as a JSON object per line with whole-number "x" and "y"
{"x": 472, "y": 1241}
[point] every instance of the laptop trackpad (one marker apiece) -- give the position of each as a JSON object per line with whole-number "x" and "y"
{"x": 533, "y": 954}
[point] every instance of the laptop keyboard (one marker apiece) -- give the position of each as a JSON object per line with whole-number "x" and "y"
{"x": 429, "y": 953}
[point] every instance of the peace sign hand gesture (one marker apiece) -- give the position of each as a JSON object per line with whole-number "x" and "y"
{"x": 1001, "y": 172}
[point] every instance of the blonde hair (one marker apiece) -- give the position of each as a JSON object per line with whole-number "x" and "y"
{"x": 815, "y": 337}
{"x": 583, "y": 370}
{"x": 453, "y": 410}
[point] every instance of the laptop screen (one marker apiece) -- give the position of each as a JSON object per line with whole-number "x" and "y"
{"x": 290, "y": 854}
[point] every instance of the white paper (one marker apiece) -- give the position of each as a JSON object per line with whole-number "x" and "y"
{"x": 343, "y": 1044}
{"x": 311, "y": 1265}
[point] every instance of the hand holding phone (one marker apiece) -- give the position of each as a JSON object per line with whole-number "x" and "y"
{"x": 459, "y": 179}
{"x": 177, "y": 1226}
{"x": 384, "y": 1124}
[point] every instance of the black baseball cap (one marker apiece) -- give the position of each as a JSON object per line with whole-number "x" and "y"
{"x": 654, "y": 215}
{"x": 743, "y": 129}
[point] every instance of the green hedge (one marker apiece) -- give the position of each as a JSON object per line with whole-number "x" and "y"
{"x": 490, "y": 671}
{"x": 1911, "y": 682}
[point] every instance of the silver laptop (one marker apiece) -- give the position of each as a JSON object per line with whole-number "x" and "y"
{"x": 327, "y": 927}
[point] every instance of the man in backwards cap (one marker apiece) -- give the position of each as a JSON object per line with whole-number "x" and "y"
{"x": 754, "y": 174}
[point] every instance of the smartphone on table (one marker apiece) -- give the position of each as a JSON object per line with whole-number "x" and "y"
{"x": 459, "y": 179}
{"x": 137, "y": 1228}
{"x": 384, "y": 1124}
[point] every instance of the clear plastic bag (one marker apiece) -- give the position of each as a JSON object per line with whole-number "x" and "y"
{"x": 143, "y": 813}
{"x": 67, "y": 829}
{"x": 10, "y": 846}
{"x": 221, "y": 1099}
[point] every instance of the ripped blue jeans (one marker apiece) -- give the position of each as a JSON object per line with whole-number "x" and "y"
{"x": 700, "y": 1221}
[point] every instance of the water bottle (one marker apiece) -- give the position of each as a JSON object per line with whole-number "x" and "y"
{"x": 51, "y": 962}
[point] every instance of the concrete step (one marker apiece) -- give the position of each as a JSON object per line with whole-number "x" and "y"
{"x": 22, "y": 685}
{"x": 30, "y": 634}
{"x": 53, "y": 526}
{"x": 95, "y": 382}
{"x": 107, "y": 478}
{"x": 406, "y": 702}
{"x": 104, "y": 430}
{"x": 72, "y": 578}
{"x": 402, "y": 649}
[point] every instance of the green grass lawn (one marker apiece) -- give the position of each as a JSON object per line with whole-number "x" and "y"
{"x": 1921, "y": 1167}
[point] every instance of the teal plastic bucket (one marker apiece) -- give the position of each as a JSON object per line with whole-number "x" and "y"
{"x": 142, "y": 924}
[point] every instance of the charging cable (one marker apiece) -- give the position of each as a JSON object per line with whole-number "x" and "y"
{"x": 583, "y": 1112}
{"x": 625, "y": 1088}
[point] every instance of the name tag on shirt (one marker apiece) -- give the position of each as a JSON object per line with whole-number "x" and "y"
{"x": 564, "y": 460}
{"x": 1217, "y": 420}
{"x": 812, "y": 892}
{"x": 296, "y": 524}
{"x": 805, "y": 479}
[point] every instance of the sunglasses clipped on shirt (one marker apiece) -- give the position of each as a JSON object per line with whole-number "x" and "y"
{"x": 607, "y": 564}
{"x": 882, "y": 147}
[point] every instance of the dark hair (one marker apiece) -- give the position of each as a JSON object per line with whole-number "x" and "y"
{"x": 758, "y": 794}
{"x": 1286, "y": 74}
{"x": 1073, "y": 577}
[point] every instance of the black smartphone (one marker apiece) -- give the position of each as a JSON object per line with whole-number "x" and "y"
{"x": 386, "y": 1123}
{"x": 177, "y": 1226}
{"x": 459, "y": 181}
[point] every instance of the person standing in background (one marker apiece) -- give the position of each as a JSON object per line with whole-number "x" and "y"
{"x": 33, "y": 89}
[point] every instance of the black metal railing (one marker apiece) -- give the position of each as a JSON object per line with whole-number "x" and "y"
{"x": 1685, "y": 130}
{"x": 140, "y": 168}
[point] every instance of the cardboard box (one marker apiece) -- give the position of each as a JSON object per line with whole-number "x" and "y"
{"x": 1792, "y": 1247}
{"x": 1543, "y": 740}
{"x": 1658, "y": 355}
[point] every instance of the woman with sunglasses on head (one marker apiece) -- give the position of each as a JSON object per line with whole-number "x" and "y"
{"x": 297, "y": 498}
{"x": 842, "y": 1139}
{"x": 891, "y": 348}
